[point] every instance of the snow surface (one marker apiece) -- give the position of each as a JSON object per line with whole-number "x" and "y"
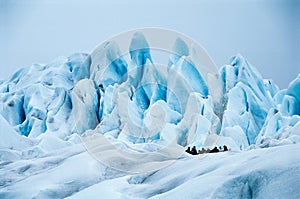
{"x": 135, "y": 118}
{"x": 72, "y": 172}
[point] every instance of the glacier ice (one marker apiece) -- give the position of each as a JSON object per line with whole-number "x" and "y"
{"x": 10, "y": 139}
{"x": 248, "y": 99}
{"x": 283, "y": 122}
{"x": 126, "y": 94}
{"x": 291, "y": 100}
{"x": 37, "y": 99}
{"x": 115, "y": 72}
{"x": 139, "y": 51}
{"x": 130, "y": 107}
{"x": 141, "y": 107}
{"x": 85, "y": 104}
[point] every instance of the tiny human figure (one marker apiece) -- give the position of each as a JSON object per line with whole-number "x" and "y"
{"x": 225, "y": 148}
{"x": 215, "y": 150}
{"x": 202, "y": 151}
{"x": 194, "y": 151}
{"x": 188, "y": 150}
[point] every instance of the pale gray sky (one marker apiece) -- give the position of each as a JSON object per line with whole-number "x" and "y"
{"x": 266, "y": 32}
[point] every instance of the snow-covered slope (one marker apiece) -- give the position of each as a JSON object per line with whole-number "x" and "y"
{"x": 72, "y": 172}
{"x": 49, "y": 115}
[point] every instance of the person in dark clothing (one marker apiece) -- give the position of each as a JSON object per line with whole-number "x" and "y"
{"x": 188, "y": 150}
{"x": 225, "y": 148}
{"x": 194, "y": 151}
{"x": 215, "y": 150}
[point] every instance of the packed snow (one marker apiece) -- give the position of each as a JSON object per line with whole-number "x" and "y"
{"x": 113, "y": 125}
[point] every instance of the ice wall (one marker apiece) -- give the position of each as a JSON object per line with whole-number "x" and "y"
{"x": 131, "y": 98}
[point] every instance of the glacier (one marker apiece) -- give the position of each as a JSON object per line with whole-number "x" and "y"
{"x": 53, "y": 117}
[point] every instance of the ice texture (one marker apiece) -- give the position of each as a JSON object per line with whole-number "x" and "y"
{"x": 127, "y": 95}
{"x": 282, "y": 125}
{"x": 37, "y": 99}
{"x": 142, "y": 106}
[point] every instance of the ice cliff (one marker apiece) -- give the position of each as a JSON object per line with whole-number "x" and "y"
{"x": 133, "y": 99}
{"x": 142, "y": 106}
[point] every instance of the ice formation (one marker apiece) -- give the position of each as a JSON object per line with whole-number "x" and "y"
{"x": 136, "y": 102}
{"x": 127, "y": 97}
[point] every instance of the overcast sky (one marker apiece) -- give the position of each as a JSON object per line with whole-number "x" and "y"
{"x": 266, "y": 32}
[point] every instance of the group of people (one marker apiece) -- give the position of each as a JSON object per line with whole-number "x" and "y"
{"x": 194, "y": 151}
